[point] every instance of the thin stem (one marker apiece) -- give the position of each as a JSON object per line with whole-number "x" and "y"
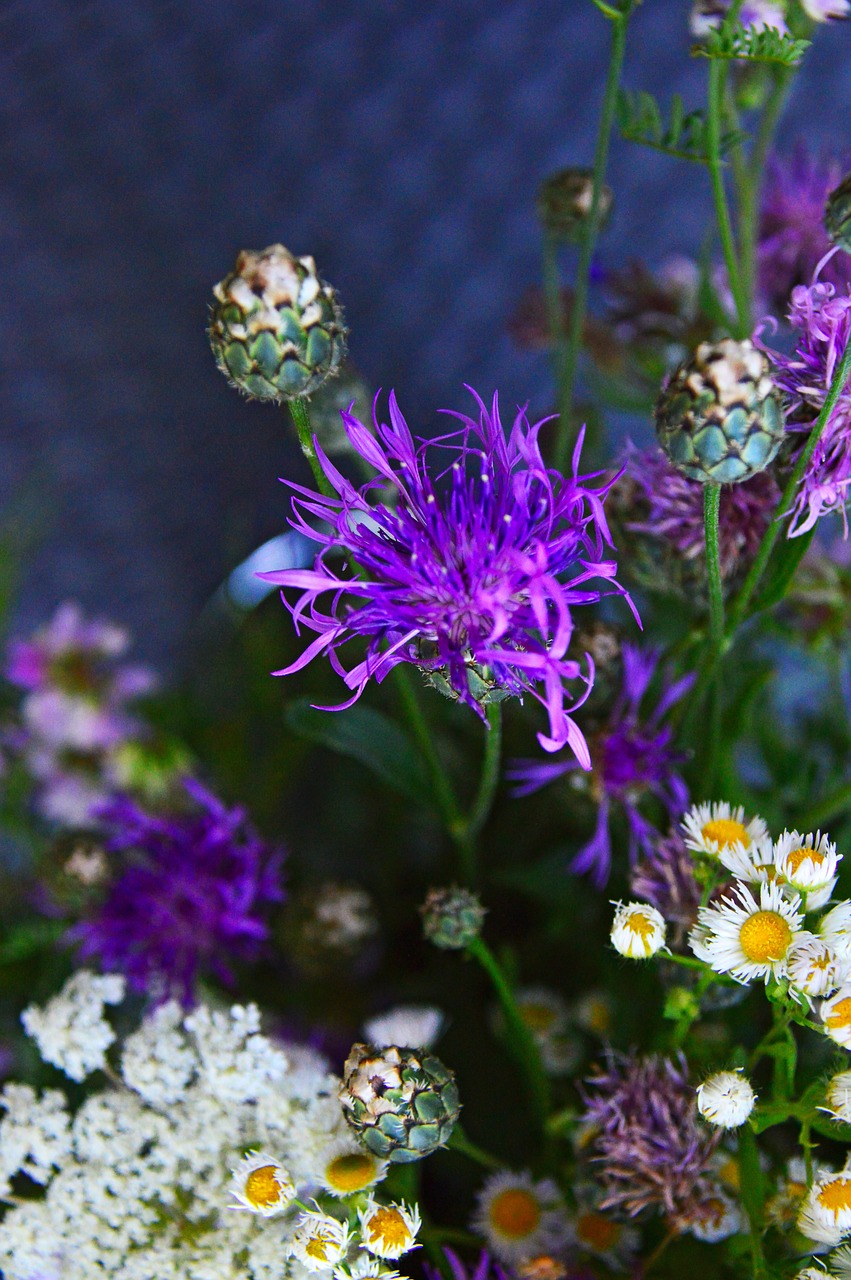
{"x": 489, "y": 781}
{"x": 659, "y": 1250}
{"x": 459, "y": 1142}
{"x": 519, "y": 1036}
{"x": 753, "y": 1196}
{"x": 714, "y": 116}
{"x": 587, "y": 245}
{"x": 444, "y": 792}
{"x": 554, "y": 305}
{"x": 711, "y": 506}
{"x": 301, "y": 422}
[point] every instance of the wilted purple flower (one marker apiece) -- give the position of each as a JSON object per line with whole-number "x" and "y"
{"x": 484, "y": 1268}
{"x": 791, "y": 238}
{"x": 821, "y": 318}
{"x": 650, "y": 1147}
{"x": 670, "y": 507}
{"x": 665, "y": 877}
{"x": 707, "y": 15}
{"x": 631, "y": 758}
{"x": 191, "y": 898}
{"x": 483, "y": 573}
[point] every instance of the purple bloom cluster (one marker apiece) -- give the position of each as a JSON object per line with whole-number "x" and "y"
{"x": 191, "y": 898}
{"x": 791, "y": 236}
{"x": 650, "y": 1147}
{"x": 74, "y": 713}
{"x": 485, "y": 569}
{"x": 671, "y": 510}
{"x": 820, "y": 316}
{"x": 632, "y": 757}
{"x": 665, "y": 877}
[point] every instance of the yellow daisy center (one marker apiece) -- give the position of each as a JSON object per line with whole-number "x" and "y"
{"x": 317, "y": 1247}
{"x": 639, "y": 923}
{"x": 599, "y": 1017}
{"x": 538, "y": 1017}
{"x": 262, "y": 1188}
{"x": 797, "y": 856}
{"x": 388, "y": 1228}
{"x": 730, "y": 1174}
{"x": 840, "y": 1014}
{"x": 598, "y": 1232}
{"x": 724, "y": 832}
{"x": 515, "y": 1213}
{"x": 836, "y": 1196}
{"x": 351, "y": 1172}
{"x": 765, "y": 936}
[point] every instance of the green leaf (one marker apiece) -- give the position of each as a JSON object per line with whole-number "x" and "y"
{"x": 784, "y": 563}
{"x": 370, "y": 737}
{"x": 641, "y": 119}
{"x": 750, "y": 45}
{"x": 29, "y": 938}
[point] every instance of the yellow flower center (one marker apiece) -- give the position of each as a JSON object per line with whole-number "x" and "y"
{"x": 596, "y": 1231}
{"x": 639, "y": 923}
{"x": 262, "y": 1188}
{"x": 840, "y": 1015}
{"x": 351, "y": 1172}
{"x": 835, "y": 1196}
{"x": 797, "y": 856}
{"x": 730, "y": 1174}
{"x": 724, "y": 832}
{"x": 538, "y": 1017}
{"x": 388, "y": 1228}
{"x": 317, "y": 1247}
{"x": 765, "y": 936}
{"x": 515, "y": 1213}
{"x": 599, "y": 1017}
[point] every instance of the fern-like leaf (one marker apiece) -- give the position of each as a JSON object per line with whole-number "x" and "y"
{"x": 753, "y": 46}
{"x": 682, "y": 135}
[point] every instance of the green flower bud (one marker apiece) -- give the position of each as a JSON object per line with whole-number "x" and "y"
{"x": 401, "y": 1103}
{"x": 452, "y": 918}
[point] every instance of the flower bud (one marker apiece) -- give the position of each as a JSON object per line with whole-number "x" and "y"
{"x": 402, "y": 1103}
{"x": 726, "y": 1099}
{"x": 638, "y": 930}
{"x": 452, "y": 918}
{"x": 564, "y": 202}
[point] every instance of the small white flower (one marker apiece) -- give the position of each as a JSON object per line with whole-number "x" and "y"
{"x": 814, "y": 1273}
{"x": 416, "y": 1026}
{"x": 604, "y": 1237}
{"x": 825, "y": 1214}
{"x": 344, "y": 1167}
{"x": 320, "y": 1242}
{"x": 547, "y": 1016}
{"x": 726, "y": 1099}
{"x": 719, "y": 828}
{"x": 746, "y": 939}
{"x": 837, "y": 1095}
{"x": 593, "y": 1012}
{"x": 365, "y": 1267}
{"x": 836, "y": 1016}
{"x": 520, "y": 1218}
{"x": 389, "y": 1230}
{"x": 262, "y": 1185}
{"x": 813, "y": 966}
{"x": 757, "y": 15}
{"x": 809, "y": 864}
{"x": 835, "y": 928}
{"x": 717, "y": 1218}
{"x": 157, "y": 1062}
{"x": 70, "y": 1030}
{"x": 840, "y": 1263}
{"x": 824, "y": 10}
{"x": 638, "y": 930}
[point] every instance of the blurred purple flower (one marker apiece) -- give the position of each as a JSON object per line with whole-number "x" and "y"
{"x": 484, "y": 1268}
{"x": 791, "y": 238}
{"x": 190, "y": 900}
{"x": 650, "y": 1147}
{"x": 631, "y": 758}
{"x": 665, "y": 877}
{"x": 486, "y": 570}
{"x": 820, "y": 315}
{"x": 707, "y": 15}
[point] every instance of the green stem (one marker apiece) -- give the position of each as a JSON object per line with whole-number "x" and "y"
{"x": 301, "y": 422}
{"x": 753, "y": 1196}
{"x": 714, "y": 117}
{"x": 459, "y": 1142}
{"x": 711, "y": 506}
{"x": 588, "y": 243}
{"x": 520, "y": 1037}
{"x": 489, "y": 781}
{"x": 444, "y": 792}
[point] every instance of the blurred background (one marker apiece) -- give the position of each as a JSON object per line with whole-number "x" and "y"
{"x": 144, "y": 143}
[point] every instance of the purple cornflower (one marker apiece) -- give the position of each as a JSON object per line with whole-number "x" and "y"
{"x": 821, "y": 318}
{"x": 484, "y": 1268}
{"x": 631, "y": 758}
{"x": 190, "y": 899}
{"x": 670, "y": 507}
{"x": 791, "y": 238}
{"x": 665, "y": 878}
{"x": 650, "y": 1147}
{"x": 483, "y": 573}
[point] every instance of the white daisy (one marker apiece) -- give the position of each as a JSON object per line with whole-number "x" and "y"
{"x": 825, "y": 1215}
{"x": 518, "y": 1217}
{"x": 389, "y": 1230}
{"x": 344, "y": 1167}
{"x": 638, "y": 930}
{"x": 717, "y": 1218}
{"x": 604, "y": 1237}
{"x": 840, "y": 1262}
{"x": 836, "y": 1016}
{"x": 809, "y": 864}
{"x": 726, "y": 1099}
{"x": 321, "y": 1241}
{"x": 813, "y": 966}
{"x": 547, "y": 1016}
{"x": 835, "y": 928}
{"x": 719, "y": 827}
{"x": 746, "y": 939}
{"x": 365, "y": 1267}
{"x": 262, "y": 1185}
{"x": 837, "y": 1095}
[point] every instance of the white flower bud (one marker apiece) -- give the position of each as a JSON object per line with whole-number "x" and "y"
{"x": 726, "y": 1099}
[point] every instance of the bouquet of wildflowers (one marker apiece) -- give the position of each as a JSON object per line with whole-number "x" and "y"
{"x": 506, "y": 935}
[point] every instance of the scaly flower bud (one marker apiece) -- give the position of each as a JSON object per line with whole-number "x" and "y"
{"x": 452, "y": 918}
{"x": 402, "y": 1103}
{"x": 565, "y": 200}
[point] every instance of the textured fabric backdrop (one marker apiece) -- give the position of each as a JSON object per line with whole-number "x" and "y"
{"x": 145, "y": 141}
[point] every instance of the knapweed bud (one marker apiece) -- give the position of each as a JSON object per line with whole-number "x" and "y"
{"x": 276, "y": 328}
{"x": 481, "y": 685}
{"x": 638, "y": 930}
{"x": 726, "y": 1099}
{"x": 837, "y": 214}
{"x": 718, "y": 417}
{"x": 452, "y": 918}
{"x": 402, "y": 1103}
{"x": 564, "y": 202}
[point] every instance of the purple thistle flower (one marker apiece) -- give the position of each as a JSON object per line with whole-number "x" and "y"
{"x": 484, "y": 573}
{"x": 631, "y": 758}
{"x": 665, "y": 877}
{"x": 191, "y": 898}
{"x": 484, "y": 1268}
{"x": 671, "y": 509}
{"x": 650, "y": 1147}
{"x": 791, "y": 236}
{"x": 821, "y": 319}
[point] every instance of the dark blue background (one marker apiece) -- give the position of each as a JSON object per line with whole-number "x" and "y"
{"x": 145, "y": 141}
